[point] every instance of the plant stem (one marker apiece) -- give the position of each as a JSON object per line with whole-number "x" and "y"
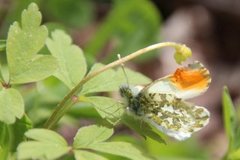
{"x": 67, "y": 102}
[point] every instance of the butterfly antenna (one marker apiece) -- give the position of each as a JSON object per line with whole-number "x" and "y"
{"x": 124, "y": 72}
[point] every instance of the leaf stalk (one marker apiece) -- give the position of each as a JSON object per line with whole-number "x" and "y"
{"x": 67, "y": 101}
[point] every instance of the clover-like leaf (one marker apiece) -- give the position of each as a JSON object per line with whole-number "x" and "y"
{"x": 91, "y": 134}
{"x": 93, "y": 138}
{"x": 11, "y": 105}
{"x": 110, "y": 80}
{"x": 44, "y": 144}
{"x": 108, "y": 108}
{"x": 72, "y": 64}
{"x": 133, "y": 77}
{"x": 85, "y": 155}
{"x": 119, "y": 148}
{"x": 106, "y": 81}
{"x": 23, "y": 42}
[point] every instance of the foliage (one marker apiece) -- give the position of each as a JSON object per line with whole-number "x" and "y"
{"x": 38, "y": 68}
{"x": 71, "y": 62}
{"x": 130, "y": 27}
{"x": 4, "y": 140}
{"x": 24, "y": 41}
{"x": 57, "y": 66}
{"x": 231, "y": 123}
{"x": 11, "y": 105}
{"x": 50, "y": 145}
{"x": 2, "y": 45}
{"x": 45, "y": 144}
{"x": 71, "y": 12}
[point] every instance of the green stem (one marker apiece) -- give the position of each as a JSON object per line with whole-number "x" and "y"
{"x": 67, "y": 101}
{"x": 5, "y": 140}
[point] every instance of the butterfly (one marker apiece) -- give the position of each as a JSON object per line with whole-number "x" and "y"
{"x": 162, "y": 103}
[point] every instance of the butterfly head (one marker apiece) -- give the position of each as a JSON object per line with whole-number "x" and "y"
{"x": 128, "y": 91}
{"x": 131, "y": 96}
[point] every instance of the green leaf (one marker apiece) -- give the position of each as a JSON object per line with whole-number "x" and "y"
{"x": 91, "y": 135}
{"x": 236, "y": 142}
{"x": 119, "y": 148}
{"x": 4, "y": 74}
{"x": 105, "y": 81}
{"x": 2, "y": 45}
{"x": 186, "y": 150}
{"x": 1, "y": 76}
{"x": 44, "y": 135}
{"x": 229, "y": 116}
{"x": 235, "y": 155}
{"x": 45, "y": 144}
{"x": 108, "y": 108}
{"x": 16, "y": 8}
{"x": 128, "y": 26}
{"x": 11, "y": 105}
{"x": 19, "y": 128}
{"x": 5, "y": 141}
{"x": 23, "y": 43}
{"x": 85, "y": 155}
{"x": 72, "y": 64}
{"x": 142, "y": 128}
{"x": 40, "y": 150}
{"x": 132, "y": 76}
{"x": 110, "y": 80}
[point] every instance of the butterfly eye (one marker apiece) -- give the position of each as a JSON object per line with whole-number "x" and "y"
{"x": 125, "y": 91}
{"x": 122, "y": 92}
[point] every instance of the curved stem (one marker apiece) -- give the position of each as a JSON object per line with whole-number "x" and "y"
{"x": 67, "y": 101}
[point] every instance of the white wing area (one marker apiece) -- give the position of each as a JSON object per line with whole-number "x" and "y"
{"x": 186, "y": 82}
{"x": 179, "y": 122}
{"x": 165, "y": 86}
{"x": 178, "y": 135}
{"x": 162, "y": 105}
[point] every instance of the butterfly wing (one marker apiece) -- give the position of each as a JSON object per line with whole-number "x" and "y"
{"x": 174, "y": 117}
{"x": 186, "y": 82}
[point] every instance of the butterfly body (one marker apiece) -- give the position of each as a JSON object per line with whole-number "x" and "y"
{"x": 132, "y": 97}
{"x": 162, "y": 104}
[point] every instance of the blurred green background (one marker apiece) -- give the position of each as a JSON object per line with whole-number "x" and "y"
{"x": 105, "y": 28}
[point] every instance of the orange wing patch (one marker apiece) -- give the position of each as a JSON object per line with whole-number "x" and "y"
{"x": 191, "y": 77}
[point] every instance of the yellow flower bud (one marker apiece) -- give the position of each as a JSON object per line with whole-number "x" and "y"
{"x": 182, "y": 52}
